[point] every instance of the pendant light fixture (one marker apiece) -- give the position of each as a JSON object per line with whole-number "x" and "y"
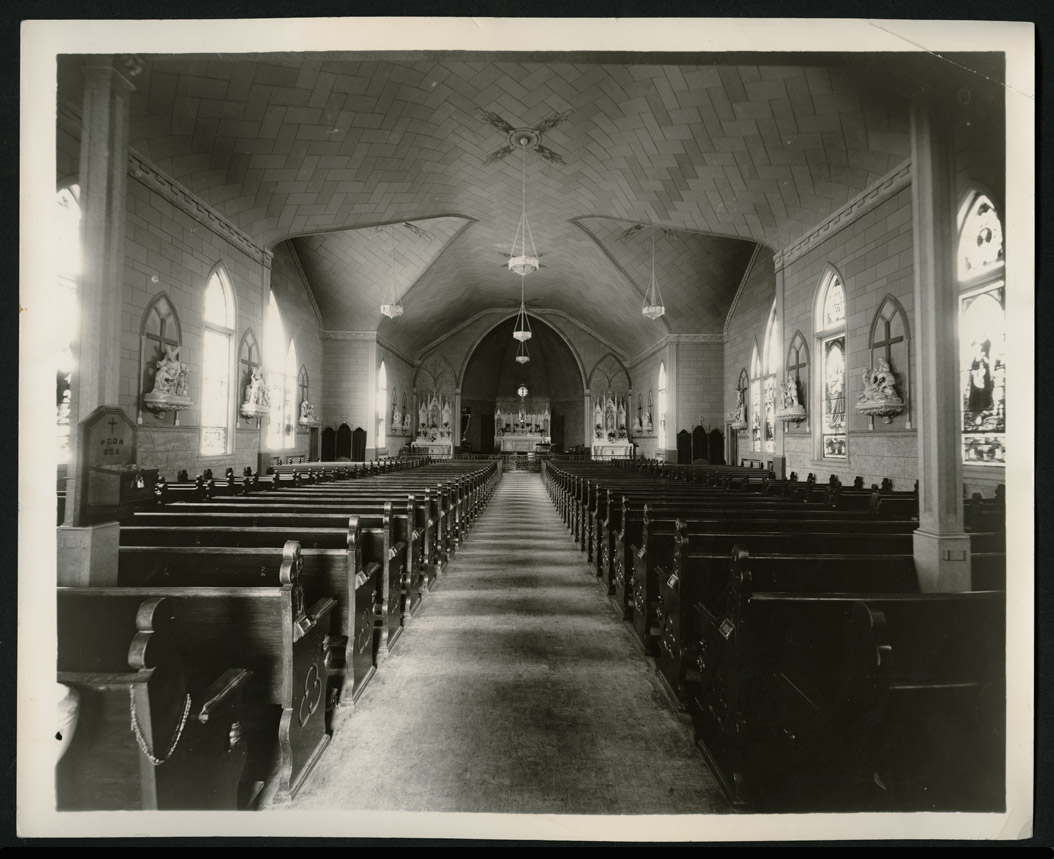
{"x": 523, "y": 325}
{"x": 392, "y": 308}
{"x": 522, "y": 357}
{"x": 653, "y": 307}
{"x": 524, "y": 257}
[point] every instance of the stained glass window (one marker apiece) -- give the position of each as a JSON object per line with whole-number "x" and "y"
{"x": 662, "y": 399}
{"x": 830, "y": 330}
{"x": 834, "y": 441}
{"x": 771, "y": 359}
{"x": 982, "y": 333}
{"x": 755, "y": 400}
{"x": 834, "y": 303}
{"x": 216, "y": 366}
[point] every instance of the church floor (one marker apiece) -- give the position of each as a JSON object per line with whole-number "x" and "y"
{"x": 515, "y": 689}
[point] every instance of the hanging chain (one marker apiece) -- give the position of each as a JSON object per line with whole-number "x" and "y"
{"x": 141, "y": 740}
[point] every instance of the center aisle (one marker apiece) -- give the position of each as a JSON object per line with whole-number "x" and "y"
{"x": 515, "y": 689}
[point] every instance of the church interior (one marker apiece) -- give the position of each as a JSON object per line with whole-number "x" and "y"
{"x": 539, "y": 294}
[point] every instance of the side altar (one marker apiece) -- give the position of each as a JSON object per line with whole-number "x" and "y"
{"x": 610, "y": 434}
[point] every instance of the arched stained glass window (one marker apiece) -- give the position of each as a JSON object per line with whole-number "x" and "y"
{"x": 756, "y": 403}
{"x": 770, "y": 365}
{"x": 217, "y": 340}
{"x": 982, "y": 332}
{"x": 662, "y": 401}
{"x": 798, "y": 366}
{"x": 830, "y": 328}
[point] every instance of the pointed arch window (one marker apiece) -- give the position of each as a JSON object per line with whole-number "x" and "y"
{"x": 382, "y": 406}
{"x": 830, "y": 328}
{"x": 798, "y": 366}
{"x": 67, "y": 313}
{"x": 770, "y": 366}
{"x": 279, "y": 360}
{"x": 662, "y": 400}
{"x": 289, "y": 387}
{"x": 982, "y": 332}
{"x": 216, "y": 360}
{"x": 756, "y": 402}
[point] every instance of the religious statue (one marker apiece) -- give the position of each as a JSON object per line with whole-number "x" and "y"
{"x": 446, "y": 419}
{"x": 636, "y": 425}
{"x": 171, "y": 391}
{"x": 307, "y": 413}
{"x": 406, "y": 423}
{"x": 422, "y": 419}
{"x": 622, "y": 416}
{"x": 397, "y": 416}
{"x": 171, "y": 374}
{"x": 880, "y": 396}
{"x": 878, "y": 383}
{"x": 791, "y": 409}
{"x": 256, "y": 390}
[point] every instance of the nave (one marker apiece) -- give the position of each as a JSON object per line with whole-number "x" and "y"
{"x": 515, "y": 689}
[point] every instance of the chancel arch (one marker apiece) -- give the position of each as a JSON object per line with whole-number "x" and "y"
{"x": 553, "y": 377}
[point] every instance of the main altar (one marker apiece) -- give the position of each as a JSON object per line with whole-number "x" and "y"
{"x": 521, "y": 424}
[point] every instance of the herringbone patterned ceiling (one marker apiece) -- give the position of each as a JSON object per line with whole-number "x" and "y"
{"x": 321, "y": 149}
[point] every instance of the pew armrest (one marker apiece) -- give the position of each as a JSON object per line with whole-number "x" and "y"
{"x": 221, "y": 691}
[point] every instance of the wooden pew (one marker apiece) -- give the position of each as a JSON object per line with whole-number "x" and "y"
{"x": 270, "y": 632}
{"x": 853, "y": 702}
{"x": 804, "y": 533}
{"x": 703, "y": 577}
{"x": 144, "y": 738}
{"x": 352, "y": 576}
{"x": 375, "y": 536}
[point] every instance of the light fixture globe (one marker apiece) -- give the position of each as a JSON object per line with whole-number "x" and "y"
{"x": 521, "y": 354}
{"x": 523, "y": 258}
{"x": 522, "y": 264}
{"x": 392, "y": 310}
{"x": 653, "y": 307}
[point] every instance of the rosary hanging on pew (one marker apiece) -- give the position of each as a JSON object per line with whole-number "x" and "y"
{"x": 141, "y": 740}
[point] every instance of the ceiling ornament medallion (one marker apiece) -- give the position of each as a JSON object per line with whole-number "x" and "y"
{"x": 653, "y": 307}
{"x": 525, "y": 138}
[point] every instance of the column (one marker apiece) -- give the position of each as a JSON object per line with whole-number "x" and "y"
{"x": 87, "y": 554}
{"x": 942, "y": 548}
{"x": 103, "y": 174}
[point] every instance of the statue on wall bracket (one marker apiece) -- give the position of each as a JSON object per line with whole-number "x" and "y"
{"x": 880, "y": 398}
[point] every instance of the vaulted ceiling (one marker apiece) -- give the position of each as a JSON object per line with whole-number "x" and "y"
{"x": 721, "y": 152}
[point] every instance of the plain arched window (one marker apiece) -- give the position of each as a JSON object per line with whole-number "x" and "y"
{"x": 830, "y": 333}
{"x": 216, "y": 357}
{"x": 382, "y": 406}
{"x": 66, "y": 314}
{"x": 982, "y": 332}
{"x": 275, "y": 349}
{"x": 289, "y": 387}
